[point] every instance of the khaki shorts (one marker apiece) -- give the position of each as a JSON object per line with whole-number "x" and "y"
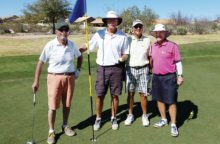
{"x": 60, "y": 86}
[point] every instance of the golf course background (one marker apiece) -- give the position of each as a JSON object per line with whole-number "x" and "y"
{"x": 198, "y": 101}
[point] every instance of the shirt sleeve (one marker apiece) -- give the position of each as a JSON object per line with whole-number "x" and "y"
{"x": 177, "y": 56}
{"x": 126, "y": 47}
{"x": 45, "y": 53}
{"x": 149, "y": 50}
{"x": 93, "y": 42}
{"x": 77, "y": 53}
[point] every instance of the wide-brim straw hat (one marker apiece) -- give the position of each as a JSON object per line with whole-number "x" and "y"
{"x": 112, "y": 14}
{"x": 160, "y": 27}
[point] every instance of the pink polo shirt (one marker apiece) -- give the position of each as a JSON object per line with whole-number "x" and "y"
{"x": 164, "y": 57}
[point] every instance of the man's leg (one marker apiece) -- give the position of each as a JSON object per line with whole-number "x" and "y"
{"x": 172, "y": 112}
{"x": 66, "y": 112}
{"x": 162, "y": 109}
{"x": 145, "y": 120}
{"x": 51, "y": 118}
{"x": 115, "y": 102}
{"x": 99, "y": 105}
{"x": 143, "y": 103}
{"x": 130, "y": 101}
{"x": 51, "y": 121}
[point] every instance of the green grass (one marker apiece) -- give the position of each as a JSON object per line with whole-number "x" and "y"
{"x": 199, "y": 93}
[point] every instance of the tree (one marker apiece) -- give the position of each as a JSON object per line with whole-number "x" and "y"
{"x": 180, "y": 19}
{"x": 129, "y": 15}
{"x": 47, "y": 10}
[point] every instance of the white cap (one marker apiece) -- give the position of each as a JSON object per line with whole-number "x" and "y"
{"x": 137, "y": 21}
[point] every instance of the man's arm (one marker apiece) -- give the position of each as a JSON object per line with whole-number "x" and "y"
{"x": 180, "y": 73}
{"x": 38, "y": 71}
{"x": 150, "y": 64}
{"x": 79, "y": 61}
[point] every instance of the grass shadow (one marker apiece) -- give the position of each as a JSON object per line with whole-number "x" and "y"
{"x": 185, "y": 109}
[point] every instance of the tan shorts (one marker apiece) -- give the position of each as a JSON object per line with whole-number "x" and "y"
{"x": 60, "y": 86}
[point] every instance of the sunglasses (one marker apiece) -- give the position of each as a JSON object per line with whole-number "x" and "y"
{"x": 138, "y": 26}
{"x": 64, "y": 29}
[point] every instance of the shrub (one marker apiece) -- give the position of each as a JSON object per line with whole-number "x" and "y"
{"x": 171, "y": 28}
{"x": 181, "y": 30}
{"x": 2, "y": 31}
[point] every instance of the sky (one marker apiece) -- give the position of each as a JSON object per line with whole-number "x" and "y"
{"x": 164, "y": 8}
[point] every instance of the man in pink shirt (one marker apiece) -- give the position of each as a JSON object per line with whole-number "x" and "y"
{"x": 166, "y": 62}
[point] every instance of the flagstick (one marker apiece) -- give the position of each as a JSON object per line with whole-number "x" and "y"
{"x": 90, "y": 80}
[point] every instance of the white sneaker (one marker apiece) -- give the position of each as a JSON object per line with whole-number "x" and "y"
{"x": 145, "y": 120}
{"x": 161, "y": 123}
{"x": 129, "y": 120}
{"x": 97, "y": 124}
{"x": 114, "y": 124}
{"x": 174, "y": 131}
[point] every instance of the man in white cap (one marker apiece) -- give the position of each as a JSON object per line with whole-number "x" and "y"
{"x": 166, "y": 62}
{"x": 112, "y": 48}
{"x": 137, "y": 71}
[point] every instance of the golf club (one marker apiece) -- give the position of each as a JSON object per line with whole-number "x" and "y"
{"x": 34, "y": 102}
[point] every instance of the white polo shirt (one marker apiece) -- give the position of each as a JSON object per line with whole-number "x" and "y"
{"x": 60, "y": 59}
{"x": 139, "y": 51}
{"x": 110, "y": 48}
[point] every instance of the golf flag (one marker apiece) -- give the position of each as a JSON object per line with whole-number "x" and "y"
{"x": 78, "y": 11}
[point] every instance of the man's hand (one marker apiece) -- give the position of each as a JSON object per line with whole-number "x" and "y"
{"x": 83, "y": 48}
{"x": 77, "y": 73}
{"x": 35, "y": 86}
{"x": 180, "y": 80}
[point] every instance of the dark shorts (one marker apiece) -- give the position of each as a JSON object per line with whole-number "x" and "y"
{"x": 109, "y": 76}
{"x": 164, "y": 88}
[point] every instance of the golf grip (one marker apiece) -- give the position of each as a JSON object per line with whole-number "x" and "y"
{"x": 34, "y": 99}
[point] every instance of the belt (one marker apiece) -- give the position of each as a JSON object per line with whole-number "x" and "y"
{"x": 116, "y": 65}
{"x": 67, "y": 73}
{"x": 139, "y": 67}
{"x": 164, "y": 74}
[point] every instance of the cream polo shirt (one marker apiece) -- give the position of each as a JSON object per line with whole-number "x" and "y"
{"x": 139, "y": 51}
{"x": 110, "y": 48}
{"x": 60, "y": 59}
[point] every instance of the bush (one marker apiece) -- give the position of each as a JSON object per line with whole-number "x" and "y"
{"x": 171, "y": 28}
{"x": 181, "y": 30}
{"x": 2, "y": 31}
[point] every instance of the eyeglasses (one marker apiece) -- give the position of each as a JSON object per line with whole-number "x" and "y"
{"x": 64, "y": 29}
{"x": 138, "y": 26}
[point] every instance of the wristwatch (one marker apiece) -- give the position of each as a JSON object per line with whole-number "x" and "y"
{"x": 181, "y": 75}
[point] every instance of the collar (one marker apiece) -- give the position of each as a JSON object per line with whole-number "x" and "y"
{"x": 58, "y": 43}
{"x": 164, "y": 43}
{"x": 106, "y": 32}
{"x": 141, "y": 38}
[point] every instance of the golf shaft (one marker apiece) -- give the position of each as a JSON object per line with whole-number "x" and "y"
{"x": 34, "y": 102}
{"x": 90, "y": 79}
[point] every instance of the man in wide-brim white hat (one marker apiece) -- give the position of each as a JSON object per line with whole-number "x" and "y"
{"x": 166, "y": 63}
{"x": 112, "y": 49}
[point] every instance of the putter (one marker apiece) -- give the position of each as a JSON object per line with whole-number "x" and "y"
{"x": 34, "y": 102}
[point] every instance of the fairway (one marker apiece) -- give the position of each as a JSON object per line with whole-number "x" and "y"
{"x": 199, "y": 94}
